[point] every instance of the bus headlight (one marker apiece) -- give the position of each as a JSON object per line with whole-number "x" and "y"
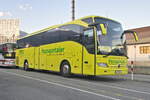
{"x": 102, "y": 64}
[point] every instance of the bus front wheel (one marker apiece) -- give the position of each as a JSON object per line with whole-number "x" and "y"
{"x": 26, "y": 66}
{"x": 65, "y": 69}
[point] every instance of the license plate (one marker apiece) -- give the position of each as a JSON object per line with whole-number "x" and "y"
{"x": 118, "y": 71}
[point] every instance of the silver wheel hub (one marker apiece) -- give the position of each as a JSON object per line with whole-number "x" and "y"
{"x": 26, "y": 65}
{"x": 65, "y": 69}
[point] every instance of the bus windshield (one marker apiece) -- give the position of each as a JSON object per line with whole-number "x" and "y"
{"x": 110, "y": 44}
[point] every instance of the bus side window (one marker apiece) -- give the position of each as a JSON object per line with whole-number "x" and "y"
{"x": 72, "y": 27}
{"x": 73, "y": 32}
{"x": 88, "y": 40}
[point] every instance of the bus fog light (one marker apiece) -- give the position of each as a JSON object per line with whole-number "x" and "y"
{"x": 102, "y": 64}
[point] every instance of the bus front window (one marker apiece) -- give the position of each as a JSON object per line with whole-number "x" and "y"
{"x": 110, "y": 44}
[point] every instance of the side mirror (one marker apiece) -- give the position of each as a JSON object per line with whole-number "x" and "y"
{"x": 103, "y": 29}
{"x": 135, "y": 36}
{"x": 133, "y": 32}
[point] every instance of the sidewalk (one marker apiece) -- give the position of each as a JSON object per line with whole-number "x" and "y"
{"x": 142, "y": 70}
{"x": 139, "y": 77}
{"x": 136, "y": 77}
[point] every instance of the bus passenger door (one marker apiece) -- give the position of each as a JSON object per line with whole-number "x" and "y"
{"x": 37, "y": 57}
{"x": 88, "y": 52}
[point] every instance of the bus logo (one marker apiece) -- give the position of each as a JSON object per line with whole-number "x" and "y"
{"x": 51, "y": 51}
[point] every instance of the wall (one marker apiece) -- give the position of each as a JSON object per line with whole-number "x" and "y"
{"x": 133, "y": 52}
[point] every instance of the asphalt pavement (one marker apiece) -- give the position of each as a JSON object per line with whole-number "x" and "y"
{"x": 16, "y": 84}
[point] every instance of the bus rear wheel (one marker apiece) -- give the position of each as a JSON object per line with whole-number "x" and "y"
{"x": 65, "y": 69}
{"x": 26, "y": 66}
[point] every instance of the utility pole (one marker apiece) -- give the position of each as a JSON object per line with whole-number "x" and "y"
{"x": 73, "y": 9}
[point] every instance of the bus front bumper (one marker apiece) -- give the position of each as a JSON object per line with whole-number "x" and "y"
{"x": 7, "y": 63}
{"x": 113, "y": 71}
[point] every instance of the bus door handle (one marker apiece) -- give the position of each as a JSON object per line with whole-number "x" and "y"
{"x": 86, "y": 62}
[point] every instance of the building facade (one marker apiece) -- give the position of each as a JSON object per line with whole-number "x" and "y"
{"x": 139, "y": 51}
{"x": 9, "y": 30}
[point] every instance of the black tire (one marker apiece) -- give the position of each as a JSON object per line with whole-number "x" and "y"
{"x": 26, "y": 66}
{"x": 65, "y": 69}
{"x": 16, "y": 67}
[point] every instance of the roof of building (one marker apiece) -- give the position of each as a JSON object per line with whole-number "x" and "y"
{"x": 143, "y": 35}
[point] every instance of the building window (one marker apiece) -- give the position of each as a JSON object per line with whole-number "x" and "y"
{"x": 144, "y": 49}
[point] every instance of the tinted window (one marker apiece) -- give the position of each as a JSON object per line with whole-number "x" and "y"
{"x": 50, "y": 37}
{"x": 64, "y": 33}
{"x": 88, "y": 20}
{"x": 73, "y": 27}
{"x": 88, "y": 40}
{"x": 39, "y": 39}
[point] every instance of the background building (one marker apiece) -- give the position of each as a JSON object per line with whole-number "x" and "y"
{"x": 9, "y": 30}
{"x": 139, "y": 52}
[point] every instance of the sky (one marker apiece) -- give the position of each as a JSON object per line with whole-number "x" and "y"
{"x": 38, "y": 14}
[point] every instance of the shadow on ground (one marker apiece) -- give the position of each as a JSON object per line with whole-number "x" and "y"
{"x": 86, "y": 77}
{"x": 79, "y": 77}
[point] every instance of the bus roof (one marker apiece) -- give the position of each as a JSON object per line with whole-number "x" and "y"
{"x": 77, "y": 21}
{"x": 93, "y": 16}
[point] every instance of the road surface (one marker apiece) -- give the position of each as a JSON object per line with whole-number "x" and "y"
{"x": 16, "y": 84}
